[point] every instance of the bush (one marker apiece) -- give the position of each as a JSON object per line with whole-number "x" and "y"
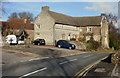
{"x": 72, "y": 39}
{"x": 82, "y": 39}
{"x": 114, "y": 43}
{"x": 92, "y": 45}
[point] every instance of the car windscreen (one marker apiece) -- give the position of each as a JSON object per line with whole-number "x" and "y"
{"x": 42, "y": 40}
{"x": 39, "y": 40}
{"x": 68, "y": 42}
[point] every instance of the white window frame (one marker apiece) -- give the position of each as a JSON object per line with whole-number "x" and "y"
{"x": 89, "y": 29}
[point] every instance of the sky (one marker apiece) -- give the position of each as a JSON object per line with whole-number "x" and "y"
{"x": 75, "y": 9}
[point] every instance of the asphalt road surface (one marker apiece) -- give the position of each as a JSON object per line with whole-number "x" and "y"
{"x": 62, "y": 66}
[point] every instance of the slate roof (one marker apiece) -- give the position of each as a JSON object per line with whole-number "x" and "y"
{"x": 76, "y": 21}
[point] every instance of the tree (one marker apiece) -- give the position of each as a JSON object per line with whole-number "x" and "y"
{"x": 13, "y": 15}
{"x": 2, "y": 8}
{"x": 114, "y": 35}
{"x": 24, "y": 15}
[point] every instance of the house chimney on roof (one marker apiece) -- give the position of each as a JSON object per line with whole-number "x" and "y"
{"x": 103, "y": 14}
{"x": 45, "y": 8}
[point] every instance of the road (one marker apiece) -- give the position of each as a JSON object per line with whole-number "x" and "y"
{"x": 62, "y": 66}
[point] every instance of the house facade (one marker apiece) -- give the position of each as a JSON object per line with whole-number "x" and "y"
{"x": 53, "y": 26}
{"x": 17, "y": 27}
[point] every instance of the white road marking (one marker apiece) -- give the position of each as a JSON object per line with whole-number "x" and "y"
{"x": 73, "y": 59}
{"x": 37, "y": 59}
{"x": 34, "y": 59}
{"x": 64, "y": 62}
{"x": 74, "y": 54}
{"x": 33, "y": 72}
{"x": 87, "y": 56}
{"x": 67, "y": 61}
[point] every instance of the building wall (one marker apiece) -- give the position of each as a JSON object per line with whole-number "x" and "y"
{"x": 104, "y": 33}
{"x": 97, "y": 33}
{"x": 82, "y": 30}
{"x": 43, "y": 27}
{"x": 96, "y": 30}
{"x": 65, "y": 32}
{"x": 30, "y": 33}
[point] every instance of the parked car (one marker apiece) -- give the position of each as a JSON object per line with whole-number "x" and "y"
{"x": 11, "y": 39}
{"x": 38, "y": 42}
{"x": 65, "y": 44}
{"x": 21, "y": 41}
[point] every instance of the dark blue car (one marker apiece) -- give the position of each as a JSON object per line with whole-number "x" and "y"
{"x": 65, "y": 44}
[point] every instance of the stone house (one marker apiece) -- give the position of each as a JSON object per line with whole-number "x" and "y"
{"x": 19, "y": 27}
{"x": 53, "y": 26}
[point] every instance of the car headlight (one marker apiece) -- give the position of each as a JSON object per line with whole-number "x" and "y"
{"x": 72, "y": 45}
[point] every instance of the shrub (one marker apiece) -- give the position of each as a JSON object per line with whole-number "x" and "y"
{"x": 114, "y": 43}
{"x": 82, "y": 39}
{"x": 92, "y": 45}
{"x": 72, "y": 39}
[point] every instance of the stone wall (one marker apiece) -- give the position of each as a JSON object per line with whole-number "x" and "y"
{"x": 104, "y": 33}
{"x": 65, "y": 32}
{"x": 96, "y": 30}
{"x": 43, "y": 27}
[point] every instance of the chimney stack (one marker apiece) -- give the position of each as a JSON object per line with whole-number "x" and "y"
{"x": 45, "y": 8}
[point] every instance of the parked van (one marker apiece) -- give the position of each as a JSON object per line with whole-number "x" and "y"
{"x": 11, "y": 39}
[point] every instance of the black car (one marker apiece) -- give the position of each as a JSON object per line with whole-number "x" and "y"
{"x": 38, "y": 42}
{"x": 65, "y": 44}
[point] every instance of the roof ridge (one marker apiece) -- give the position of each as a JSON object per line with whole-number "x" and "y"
{"x": 60, "y": 13}
{"x": 87, "y": 17}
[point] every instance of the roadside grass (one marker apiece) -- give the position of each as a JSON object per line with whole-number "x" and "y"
{"x": 100, "y": 50}
{"x": 104, "y": 51}
{"x": 115, "y": 54}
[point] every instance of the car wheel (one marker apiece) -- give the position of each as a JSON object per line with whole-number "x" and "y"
{"x": 70, "y": 48}
{"x": 38, "y": 43}
{"x": 59, "y": 46}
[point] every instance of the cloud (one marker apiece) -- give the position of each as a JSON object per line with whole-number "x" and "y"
{"x": 104, "y": 7}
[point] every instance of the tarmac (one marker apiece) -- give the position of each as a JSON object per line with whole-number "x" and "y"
{"x": 104, "y": 69}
